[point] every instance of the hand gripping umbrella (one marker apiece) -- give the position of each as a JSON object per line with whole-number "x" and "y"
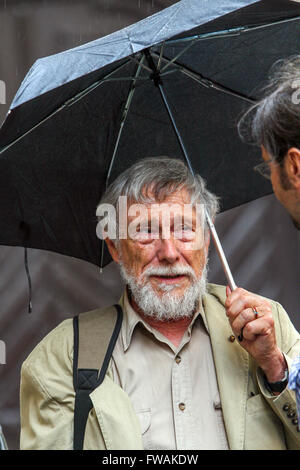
{"x": 172, "y": 84}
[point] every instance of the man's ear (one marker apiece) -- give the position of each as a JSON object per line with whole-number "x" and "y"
{"x": 113, "y": 250}
{"x": 292, "y": 167}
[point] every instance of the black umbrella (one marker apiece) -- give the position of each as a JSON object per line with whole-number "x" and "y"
{"x": 173, "y": 84}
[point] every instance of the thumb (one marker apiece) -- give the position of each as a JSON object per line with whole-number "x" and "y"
{"x": 228, "y": 291}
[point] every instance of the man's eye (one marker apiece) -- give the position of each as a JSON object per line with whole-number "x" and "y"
{"x": 143, "y": 229}
{"x": 185, "y": 233}
{"x": 187, "y": 229}
{"x": 144, "y": 234}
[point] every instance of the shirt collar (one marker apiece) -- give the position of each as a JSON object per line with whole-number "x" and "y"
{"x": 131, "y": 319}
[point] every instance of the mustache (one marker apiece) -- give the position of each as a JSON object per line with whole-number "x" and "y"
{"x": 178, "y": 270}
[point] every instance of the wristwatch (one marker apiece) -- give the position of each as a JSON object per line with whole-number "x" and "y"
{"x": 277, "y": 386}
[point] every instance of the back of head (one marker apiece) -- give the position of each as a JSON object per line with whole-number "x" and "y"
{"x": 274, "y": 121}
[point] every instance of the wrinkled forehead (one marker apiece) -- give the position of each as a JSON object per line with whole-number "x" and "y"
{"x": 174, "y": 207}
{"x": 165, "y": 193}
{"x": 165, "y": 206}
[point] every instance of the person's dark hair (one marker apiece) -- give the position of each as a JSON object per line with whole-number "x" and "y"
{"x": 274, "y": 121}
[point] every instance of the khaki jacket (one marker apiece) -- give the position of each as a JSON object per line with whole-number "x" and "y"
{"x": 253, "y": 418}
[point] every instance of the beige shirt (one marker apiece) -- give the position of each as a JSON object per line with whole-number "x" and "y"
{"x": 173, "y": 390}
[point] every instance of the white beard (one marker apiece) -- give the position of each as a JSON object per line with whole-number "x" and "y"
{"x": 169, "y": 306}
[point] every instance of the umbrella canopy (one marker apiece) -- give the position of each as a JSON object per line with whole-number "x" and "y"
{"x": 173, "y": 84}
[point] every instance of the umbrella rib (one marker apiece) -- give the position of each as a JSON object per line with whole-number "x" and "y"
{"x": 214, "y": 35}
{"x": 230, "y": 32}
{"x": 125, "y": 114}
{"x": 160, "y": 56}
{"x": 140, "y": 64}
{"x": 124, "y": 79}
{"x": 158, "y": 83}
{"x": 208, "y": 83}
{"x": 93, "y": 86}
{"x": 66, "y": 104}
{"x": 170, "y": 62}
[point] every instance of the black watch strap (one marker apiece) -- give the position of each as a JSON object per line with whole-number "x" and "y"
{"x": 277, "y": 386}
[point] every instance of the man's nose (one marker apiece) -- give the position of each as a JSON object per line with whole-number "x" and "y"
{"x": 167, "y": 251}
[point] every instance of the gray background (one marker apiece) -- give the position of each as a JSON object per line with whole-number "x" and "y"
{"x": 261, "y": 244}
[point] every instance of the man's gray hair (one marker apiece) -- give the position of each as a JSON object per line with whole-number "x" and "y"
{"x": 274, "y": 121}
{"x": 154, "y": 178}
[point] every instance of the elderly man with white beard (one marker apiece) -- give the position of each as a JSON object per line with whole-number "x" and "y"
{"x": 178, "y": 374}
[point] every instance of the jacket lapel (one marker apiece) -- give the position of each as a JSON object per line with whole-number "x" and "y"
{"x": 232, "y": 367}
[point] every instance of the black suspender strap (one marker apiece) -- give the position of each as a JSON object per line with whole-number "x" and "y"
{"x": 85, "y": 380}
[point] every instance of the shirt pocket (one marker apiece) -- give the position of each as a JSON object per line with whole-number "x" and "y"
{"x": 144, "y": 419}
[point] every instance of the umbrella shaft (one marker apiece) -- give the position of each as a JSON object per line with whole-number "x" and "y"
{"x": 221, "y": 253}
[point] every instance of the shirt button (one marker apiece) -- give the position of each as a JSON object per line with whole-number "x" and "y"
{"x": 181, "y": 406}
{"x": 286, "y": 407}
{"x": 178, "y": 359}
{"x": 231, "y": 338}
